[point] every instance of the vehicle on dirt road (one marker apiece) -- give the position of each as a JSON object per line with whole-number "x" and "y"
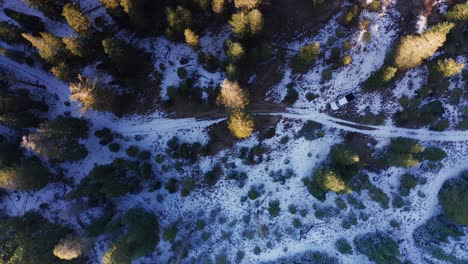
{"x": 335, "y": 105}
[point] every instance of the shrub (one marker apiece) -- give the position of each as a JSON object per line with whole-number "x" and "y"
{"x": 291, "y": 96}
{"x": 433, "y": 154}
{"x": 274, "y": 208}
{"x": 170, "y": 232}
{"x": 144, "y": 155}
{"x": 346, "y": 60}
{"x": 110, "y": 180}
{"x": 343, "y": 155}
{"x": 132, "y": 151}
{"x": 380, "y": 78}
{"x": 253, "y": 193}
{"x": 378, "y": 247}
{"x": 453, "y": 197}
{"x": 343, "y": 246}
{"x": 10, "y": 33}
{"x": 407, "y": 182}
{"x": 172, "y": 185}
{"x": 306, "y": 56}
{"x": 441, "y": 125}
{"x": 114, "y": 147}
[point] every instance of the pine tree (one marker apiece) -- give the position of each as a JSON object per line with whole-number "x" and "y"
{"x": 111, "y": 4}
{"x": 247, "y": 4}
{"x": 92, "y": 94}
{"x": 191, "y": 38}
{"x": 446, "y": 68}
{"x": 30, "y": 23}
{"x": 458, "y": 13}
{"x": 50, "y": 47}
{"x": 52, "y": 9}
{"x": 27, "y": 175}
{"x": 235, "y": 51}
{"x": 178, "y": 20}
{"x": 77, "y": 20}
{"x": 64, "y": 71}
{"x": 412, "y": 50}
{"x": 78, "y": 47}
{"x": 306, "y": 56}
{"x": 10, "y": 33}
{"x": 218, "y": 6}
{"x": 136, "y": 12}
{"x": 246, "y": 24}
{"x": 453, "y": 197}
{"x": 121, "y": 54}
{"x": 232, "y": 96}
{"x": 240, "y": 124}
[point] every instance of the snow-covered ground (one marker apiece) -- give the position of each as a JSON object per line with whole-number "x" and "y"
{"x": 225, "y": 207}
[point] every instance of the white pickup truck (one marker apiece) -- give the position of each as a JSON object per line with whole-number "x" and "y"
{"x": 342, "y": 101}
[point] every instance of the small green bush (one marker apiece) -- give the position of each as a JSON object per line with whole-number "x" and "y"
{"x": 274, "y": 208}
{"x": 343, "y": 246}
{"x": 132, "y": 151}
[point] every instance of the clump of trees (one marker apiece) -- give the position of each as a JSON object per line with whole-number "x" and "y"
{"x": 453, "y": 197}
{"x": 30, "y": 239}
{"x": 336, "y": 174}
{"x": 405, "y": 152}
{"x": 138, "y": 236}
{"x": 110, "y": 180}
{"x": 414, "y": 114}
{"x": 58, "y": 139}
{"x": 378, "y": 247}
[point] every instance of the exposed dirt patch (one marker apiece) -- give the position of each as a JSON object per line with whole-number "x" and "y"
{"x": 268, "y": 74}
{"x": 287, "y": 19}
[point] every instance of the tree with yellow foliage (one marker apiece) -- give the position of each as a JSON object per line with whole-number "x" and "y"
{"x": 413, "y": 49}
{"x": 191, "y": 38}
{"x": 232, "y": 96}
{"x": 240, "y": 124}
